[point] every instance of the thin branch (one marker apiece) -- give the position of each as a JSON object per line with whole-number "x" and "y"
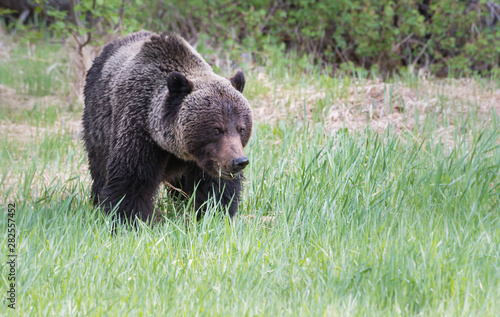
{"x": 73, "y": 13}
{"x": 120, "y": 19}
{"x": 89, "y": 33}
{"x": 183, "y": 193}
{"x": 493, "y": 12}
{"x": 395, "y": 47}
{"x": 419, "y": 54}
{"x": 269, "y": 14}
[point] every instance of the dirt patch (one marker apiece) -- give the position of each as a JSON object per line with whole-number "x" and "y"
{"x": 6, "y": 91}
{"x": 380, "y": 105}
{"x": 9, "y": 99}
{"x": 22, "y": 132}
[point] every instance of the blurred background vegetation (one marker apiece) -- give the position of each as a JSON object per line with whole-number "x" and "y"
{"x": 444, "y": 38}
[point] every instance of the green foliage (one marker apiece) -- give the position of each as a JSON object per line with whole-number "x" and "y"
{"x": 446, "y": 37}
{"x": 36, "y": 71}
{"x": 94, "y": 15}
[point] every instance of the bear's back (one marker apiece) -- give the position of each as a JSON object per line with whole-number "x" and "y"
{"x": 112, "y": 58}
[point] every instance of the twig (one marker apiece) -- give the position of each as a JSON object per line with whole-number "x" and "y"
{"x": 395, "y": 47}
{"x": 420, "y": 54}
{"x": 120, "y": 20}
{"x": 268, "y": 16}
{"x": 183, "y": 193}
{"x": 24, "y": 15}
{"x": 89, "y": 33}
{"x": 493, "y": 12}
{"x": 341, "y": 55}
{"x": 78, "y": 23}
{"x": 73, "y": 14}
{"x": 122, "y": 11}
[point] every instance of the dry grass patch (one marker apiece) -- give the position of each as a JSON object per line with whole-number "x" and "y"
{"x": 25, "y": 133}
{"x": 358, "y": 104}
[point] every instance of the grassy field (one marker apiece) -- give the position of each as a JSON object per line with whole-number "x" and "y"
{"x": 363, "y": 197}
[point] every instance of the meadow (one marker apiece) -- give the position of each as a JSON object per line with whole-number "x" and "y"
{"x": 364, "y": 197}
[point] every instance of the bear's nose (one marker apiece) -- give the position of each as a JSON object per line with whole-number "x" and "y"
{"x": 240, "y": 163}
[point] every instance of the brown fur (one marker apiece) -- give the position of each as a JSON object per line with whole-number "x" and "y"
{"x": 155, "y": 111}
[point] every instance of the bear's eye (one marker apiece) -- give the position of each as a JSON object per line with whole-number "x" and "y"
{"x": 242, "y": 131}
{"x": 217, "y": 131}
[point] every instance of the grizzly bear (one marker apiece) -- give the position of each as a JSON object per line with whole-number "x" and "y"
{"x": 156, "y": 112}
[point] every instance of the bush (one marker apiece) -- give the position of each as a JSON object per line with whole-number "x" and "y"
{"x": 444, "y": 37}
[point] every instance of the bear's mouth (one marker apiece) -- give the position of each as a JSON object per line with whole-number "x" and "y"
{"x": 227, "y": 175}
{"x": 216, "y": 170}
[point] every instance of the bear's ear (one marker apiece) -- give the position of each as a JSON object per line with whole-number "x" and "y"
{"x": 238, "y": 81}
{"x": 178, "y": 85}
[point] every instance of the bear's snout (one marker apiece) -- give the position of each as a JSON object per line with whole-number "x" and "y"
{"x": 238, "y": 164}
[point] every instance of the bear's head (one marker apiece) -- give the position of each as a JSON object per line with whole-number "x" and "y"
{"x": 213, "y": 121}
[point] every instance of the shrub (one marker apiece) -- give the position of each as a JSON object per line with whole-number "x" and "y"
{"x": 444, "y": 37}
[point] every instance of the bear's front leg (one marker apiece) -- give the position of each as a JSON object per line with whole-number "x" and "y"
{"x": 133, "y": 179}
{"x": 205, "y": 187}
{"x": 130, "y": 196}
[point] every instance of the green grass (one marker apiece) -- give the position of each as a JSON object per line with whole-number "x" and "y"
{"x": 332, "y": 223}
{"x": 35, "y": 69}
